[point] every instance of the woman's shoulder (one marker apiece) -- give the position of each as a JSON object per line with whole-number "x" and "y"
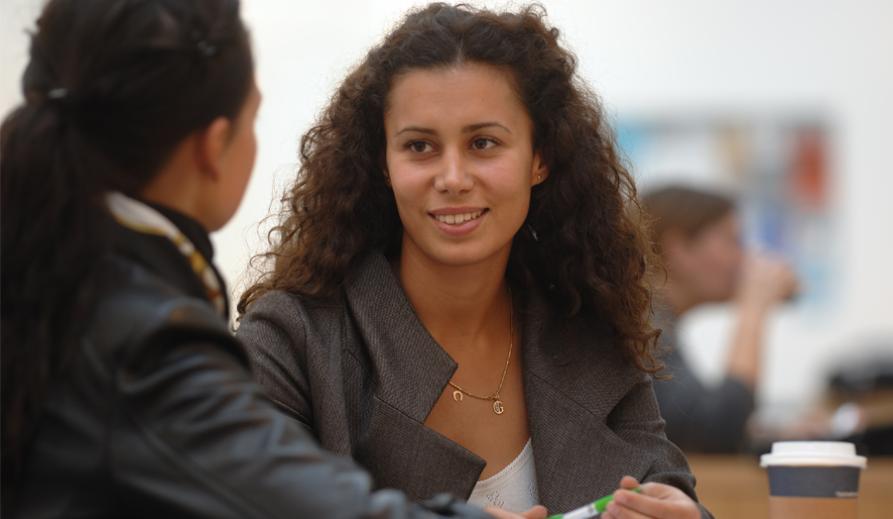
{"x": 136, "y": 310}
{"x": 278, "y": 304}
{"x": 579, "y": 356}
{"x": 280, "y": 316}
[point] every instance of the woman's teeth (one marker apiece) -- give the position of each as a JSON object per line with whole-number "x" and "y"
{"x": 457, "y": 219}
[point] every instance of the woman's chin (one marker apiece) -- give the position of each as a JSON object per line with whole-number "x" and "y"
{"x": 464, "y": 254}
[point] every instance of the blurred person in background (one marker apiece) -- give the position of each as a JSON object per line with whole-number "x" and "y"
{"x": 124, "y": 393}
{"x": 697, "y": 234}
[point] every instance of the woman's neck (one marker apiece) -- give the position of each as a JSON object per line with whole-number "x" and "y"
{"x": 460, "y": 306}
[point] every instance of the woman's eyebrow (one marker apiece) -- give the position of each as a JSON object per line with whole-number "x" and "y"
{"x": 418, "y": 129}
{"x": 478, "y": 126}
{"x": 466, "y": 129}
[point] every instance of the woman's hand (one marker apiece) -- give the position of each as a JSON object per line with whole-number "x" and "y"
{"x": 656, "y": 501}
{"x": 537, "y": 512}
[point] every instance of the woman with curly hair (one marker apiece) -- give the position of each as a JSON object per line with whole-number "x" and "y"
{"x": 456, "y": 288}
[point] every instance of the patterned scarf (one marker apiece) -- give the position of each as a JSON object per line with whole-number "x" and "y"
{"x": 141, "y": 218}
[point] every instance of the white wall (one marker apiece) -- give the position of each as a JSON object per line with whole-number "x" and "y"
{"x": 640, "y": 55}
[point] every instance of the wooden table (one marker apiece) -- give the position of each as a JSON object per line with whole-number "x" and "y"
{"x": 735, "y": 487}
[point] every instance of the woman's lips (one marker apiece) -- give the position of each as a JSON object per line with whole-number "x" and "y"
{"x": 458, "y": 221}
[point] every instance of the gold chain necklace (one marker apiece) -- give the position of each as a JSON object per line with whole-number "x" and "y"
{"x": 498, "y": 406}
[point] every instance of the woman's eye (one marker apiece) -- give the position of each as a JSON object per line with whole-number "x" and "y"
{"x": 483, "y": 144}
{"x": 419, "y": 146}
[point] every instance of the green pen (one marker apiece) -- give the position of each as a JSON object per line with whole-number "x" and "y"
{"x": 591, "y": 510}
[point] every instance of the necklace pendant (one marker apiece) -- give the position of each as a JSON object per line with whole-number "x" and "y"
{"x": 498, "y": 408}
{"x": 458, "y": 396}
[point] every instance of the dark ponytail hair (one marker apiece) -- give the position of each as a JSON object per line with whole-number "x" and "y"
{"x": 112, "y": 86}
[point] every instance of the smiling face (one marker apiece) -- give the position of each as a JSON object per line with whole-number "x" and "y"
{"x": 460, "y": 161}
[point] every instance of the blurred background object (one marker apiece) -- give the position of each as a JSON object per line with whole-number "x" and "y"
{"x": 776, "y": 166}
{"x": 860, "y": 397}
{"x": 857, "y": 404}
{"x": 796, "y": 91}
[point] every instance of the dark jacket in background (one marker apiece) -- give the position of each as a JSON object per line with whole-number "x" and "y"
{"x": 361, "y": 373}
{"x": 699, "y": 418}
{"x": 158, "y": 416}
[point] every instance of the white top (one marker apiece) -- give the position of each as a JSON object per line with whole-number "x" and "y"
{"x": 512, "y": 488}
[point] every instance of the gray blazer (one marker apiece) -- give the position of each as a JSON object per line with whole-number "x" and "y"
{"x": 362, "y": 373}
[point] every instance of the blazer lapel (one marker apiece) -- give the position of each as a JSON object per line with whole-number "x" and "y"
{"x": 410, "y": 371}
{"x": 571, "y": 383}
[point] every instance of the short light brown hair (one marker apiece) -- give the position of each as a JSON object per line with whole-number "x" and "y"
{"x": 683, "y": 209}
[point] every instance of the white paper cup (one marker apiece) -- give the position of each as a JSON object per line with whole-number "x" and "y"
{"x": 813, "y": 479}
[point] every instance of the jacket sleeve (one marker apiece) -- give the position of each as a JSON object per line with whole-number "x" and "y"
{"x": 636, "y": 419}
{"x": 201, "y": 436}
{"x": 275, "y": 344}
{"x": 701, "y": 418}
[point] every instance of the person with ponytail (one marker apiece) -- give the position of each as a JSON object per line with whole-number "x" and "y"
{"x": 124, "y": 392}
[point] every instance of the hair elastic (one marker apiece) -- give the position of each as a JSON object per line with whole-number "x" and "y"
{"x": 57, "y": 93}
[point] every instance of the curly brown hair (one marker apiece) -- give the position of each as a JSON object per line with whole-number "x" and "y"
{"x": 583, "y": 241}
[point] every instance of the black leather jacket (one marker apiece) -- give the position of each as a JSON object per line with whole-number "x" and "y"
{"x": 158, "y": 415}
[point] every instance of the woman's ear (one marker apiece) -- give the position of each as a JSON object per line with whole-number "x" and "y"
{"x": 540, "y": 170}
{"x": 211, "y": 146}
{"x": 383, "y": 163}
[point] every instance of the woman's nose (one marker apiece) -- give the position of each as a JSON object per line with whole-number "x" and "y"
{"x": 454, "y": 176}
